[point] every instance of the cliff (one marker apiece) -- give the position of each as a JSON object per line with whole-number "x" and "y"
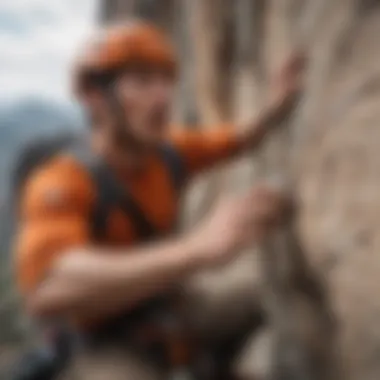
{"x": 329, "y": 148}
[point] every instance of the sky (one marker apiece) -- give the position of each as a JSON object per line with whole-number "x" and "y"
{"x": 38, "y": 40}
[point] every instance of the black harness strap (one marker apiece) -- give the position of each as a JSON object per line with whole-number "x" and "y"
{"x": 175, "y": 165}
{"x": 112, "y": 194}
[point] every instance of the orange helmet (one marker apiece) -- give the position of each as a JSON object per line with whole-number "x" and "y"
{"x": 120, "y": 46}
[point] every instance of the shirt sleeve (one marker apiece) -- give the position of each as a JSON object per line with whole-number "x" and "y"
{"x": 203, "y": 149}
{"x": 53, "y": 217}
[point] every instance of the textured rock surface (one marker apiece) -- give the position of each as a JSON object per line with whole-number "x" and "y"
{"x": 333, "y": 146}
{"x": 339, "y": 182}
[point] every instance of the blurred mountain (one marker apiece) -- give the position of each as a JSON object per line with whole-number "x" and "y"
{"x": 29, "y": 119}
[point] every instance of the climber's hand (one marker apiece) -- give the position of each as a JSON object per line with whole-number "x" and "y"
{"x": 287, "y": 85}
{"x": 284, "y": 91}
{"x": 236, "y": 223}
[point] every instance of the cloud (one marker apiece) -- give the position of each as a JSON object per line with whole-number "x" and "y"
{"x": 38, "y": 40}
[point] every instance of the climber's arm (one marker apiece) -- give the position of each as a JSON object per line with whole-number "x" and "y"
{"x": 250, "y": 135}
{"x": 284, "y": 91}
{"x": 205, "y": 147}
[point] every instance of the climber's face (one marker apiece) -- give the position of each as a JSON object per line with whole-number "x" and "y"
{"x": 145, "y": 95}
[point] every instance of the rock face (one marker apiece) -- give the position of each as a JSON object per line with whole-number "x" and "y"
{"x": 330, "y": 147}
{"x": 339, "y": 184}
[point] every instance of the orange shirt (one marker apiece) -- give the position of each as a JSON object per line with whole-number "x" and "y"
{"x": 59, "y": 197}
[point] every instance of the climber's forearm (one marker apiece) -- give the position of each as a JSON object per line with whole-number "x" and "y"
{"x": 284, "y": 92}
{"x": 251, "y": 135}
